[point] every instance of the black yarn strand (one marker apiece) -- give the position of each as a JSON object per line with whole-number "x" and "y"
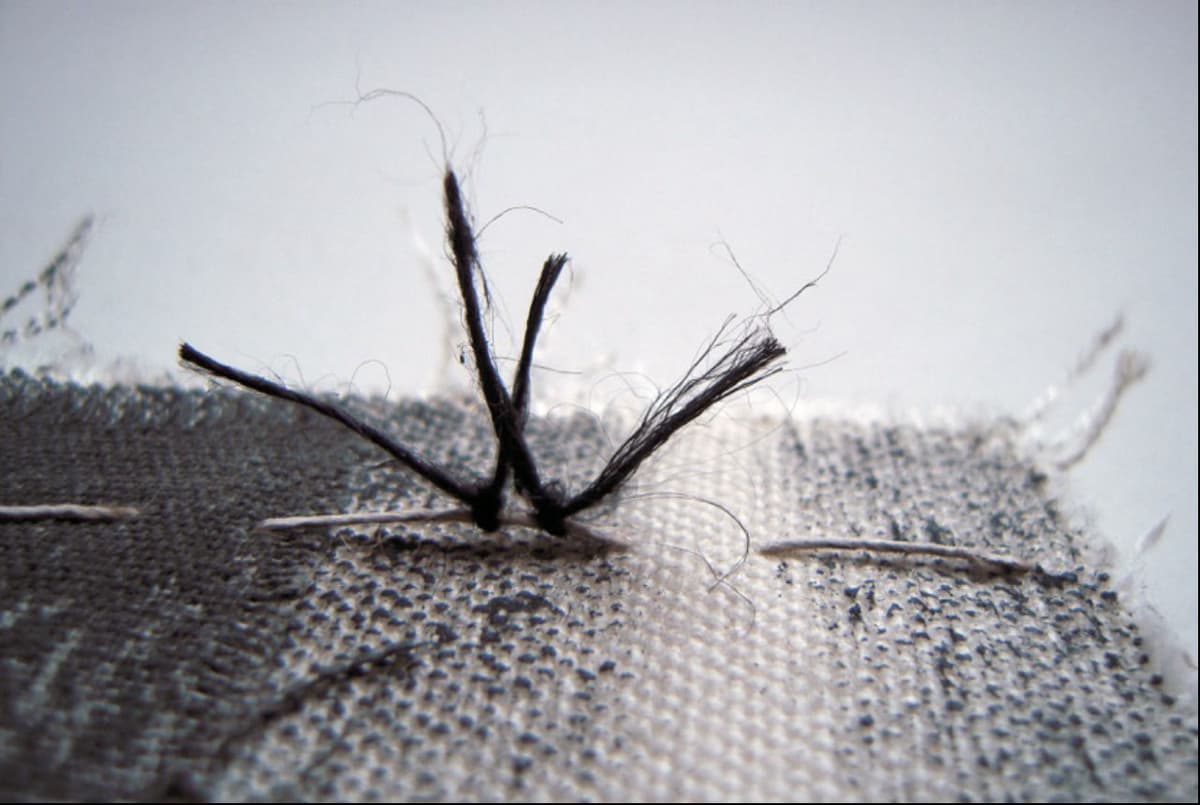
{"x": 430, "y": 472}
{"x": 741, "y": 366}
{"x": 745, "y": 362}
{"x": 551, "y": 271}
{"x": 512, "y": 449}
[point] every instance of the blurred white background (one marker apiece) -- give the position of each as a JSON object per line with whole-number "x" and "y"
{"x": 1007, "y": 178}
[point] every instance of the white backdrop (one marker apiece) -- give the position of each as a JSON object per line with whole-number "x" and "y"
{"x": 1006, "y": 178}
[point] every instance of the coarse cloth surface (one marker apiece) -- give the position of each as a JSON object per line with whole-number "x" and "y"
{"x": 184, "y": 654}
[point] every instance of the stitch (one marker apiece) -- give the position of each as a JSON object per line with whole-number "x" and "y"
{"x": 386, "y": 518}
{"x": 74, "y": 512}
{"x": 996, "y": 562}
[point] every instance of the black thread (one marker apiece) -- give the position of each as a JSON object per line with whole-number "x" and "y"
{"x": 744, "y": 362}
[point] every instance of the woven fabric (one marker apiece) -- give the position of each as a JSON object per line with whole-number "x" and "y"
{"x": 183, "y": 654}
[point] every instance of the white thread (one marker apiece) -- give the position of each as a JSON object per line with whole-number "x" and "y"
{"x": 67, "y": 511}
{"x": 517, "y": 519}
{"x": 896, "y": 546}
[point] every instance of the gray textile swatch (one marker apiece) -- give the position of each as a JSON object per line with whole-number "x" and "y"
{"x": 181, "y": 654}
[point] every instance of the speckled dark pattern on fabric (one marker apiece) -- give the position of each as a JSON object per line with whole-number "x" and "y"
{"x": 129, "y": 650}
{"x": 182, "y": 654}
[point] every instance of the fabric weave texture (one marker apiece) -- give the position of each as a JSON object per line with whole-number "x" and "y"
{"x": 183, "y": 654}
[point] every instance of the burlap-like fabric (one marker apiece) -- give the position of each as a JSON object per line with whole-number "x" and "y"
{"x": 183, "y": 654}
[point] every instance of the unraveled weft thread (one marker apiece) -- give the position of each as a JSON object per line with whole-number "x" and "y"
{"x": 739, "y": 365}
{"x": 58, "y": 281}
{"x": 1131, "y": 366}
